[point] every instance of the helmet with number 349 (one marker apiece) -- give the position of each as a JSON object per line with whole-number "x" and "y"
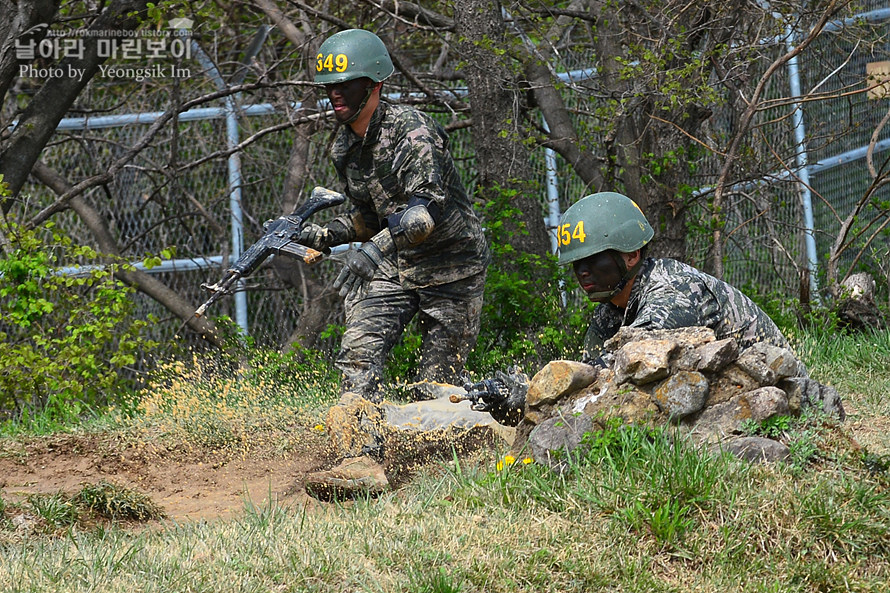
{"x": 602, "y": 221}
{"x": 351, "y": 54}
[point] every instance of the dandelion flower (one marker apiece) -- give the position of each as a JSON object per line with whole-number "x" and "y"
{"x": 508, "y": 461}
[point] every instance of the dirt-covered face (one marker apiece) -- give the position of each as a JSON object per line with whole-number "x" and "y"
{"x": 599, "y": 274}
{"x": 349, "y": 97}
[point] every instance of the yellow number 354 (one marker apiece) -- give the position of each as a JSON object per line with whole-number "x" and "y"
{"x": 331, "y": 62}
{"x": 566, "y": 236}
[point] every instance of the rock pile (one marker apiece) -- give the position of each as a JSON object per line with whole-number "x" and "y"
{"x": 684, "y": 377}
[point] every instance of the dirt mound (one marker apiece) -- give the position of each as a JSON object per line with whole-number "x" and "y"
{"x": 187, "y": 484}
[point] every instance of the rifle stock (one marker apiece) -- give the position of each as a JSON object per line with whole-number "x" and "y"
{"x": 280, "y": 238}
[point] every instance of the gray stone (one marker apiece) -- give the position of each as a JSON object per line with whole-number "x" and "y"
{"x": 726, "y": 419}
{"x": 713, "y": 357}
{"x": 552, "y": 442}
{"x": 769, "y": 364}
{"x": 756, "y": 449}
{"x": 806, "y": 393}
{"x": 682, "y": 394}
{"x": 754, "y": 364}
{"x": 765, "y": 403}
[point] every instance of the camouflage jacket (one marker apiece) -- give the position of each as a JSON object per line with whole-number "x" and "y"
{"x": 668, "y": 294}
{"x": 403, "y": 154}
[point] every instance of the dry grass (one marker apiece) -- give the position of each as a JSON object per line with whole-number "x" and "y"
{"x": 640, "y": 513}
{"x": 232, "y": 412}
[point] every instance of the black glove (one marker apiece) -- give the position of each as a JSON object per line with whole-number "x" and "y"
{"x": 359, "y": 269}
{"x": 502, "y": 396}
{"x": 315, "y": 236}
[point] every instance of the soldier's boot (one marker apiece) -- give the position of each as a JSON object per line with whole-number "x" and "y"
{"x": 354, "y": 426}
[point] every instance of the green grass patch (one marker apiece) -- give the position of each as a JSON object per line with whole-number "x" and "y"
{"x": 641, "y": 510}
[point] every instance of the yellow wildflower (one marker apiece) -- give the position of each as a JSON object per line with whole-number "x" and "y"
{"x": 508, "y": 461}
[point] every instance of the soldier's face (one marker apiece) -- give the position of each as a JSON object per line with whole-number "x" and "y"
{"x": 347, "y": 98}
{"x": 598, "y": 275}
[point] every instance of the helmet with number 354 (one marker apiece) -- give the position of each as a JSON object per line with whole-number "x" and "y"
{"x": 351, "y": 54}
{"x": 602, "y": 221}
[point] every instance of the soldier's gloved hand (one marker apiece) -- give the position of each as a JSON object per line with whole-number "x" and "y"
{"x": 502, "y": 396}
{"x": 359, "y": 268}
{"x": 315, "y": 236}
{"x": 487, "y": 393}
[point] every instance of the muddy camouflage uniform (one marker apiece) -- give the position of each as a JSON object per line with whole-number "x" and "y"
{"x": 668, "y": 294}
{"x": 404, "y": 154}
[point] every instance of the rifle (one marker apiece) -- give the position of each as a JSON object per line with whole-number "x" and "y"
{"x": 279, "y": 238}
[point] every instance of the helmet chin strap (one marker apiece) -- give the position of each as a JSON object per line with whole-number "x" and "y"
{"x": 606, "y": 295}
{"x": 361, "y": 107}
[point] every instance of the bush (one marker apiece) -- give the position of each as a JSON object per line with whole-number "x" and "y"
{"x": 64, "y": 338}
{"x": 525, "y": 320}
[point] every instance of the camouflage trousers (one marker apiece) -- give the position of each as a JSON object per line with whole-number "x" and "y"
{"x": 447, "y": 316}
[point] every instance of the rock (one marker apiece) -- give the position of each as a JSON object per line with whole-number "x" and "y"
{"x": 437, "y": 427}
{"x": 731, "y": 382}
{"x": 434, "y": 414}
{"x": 644, "y": 361}
{"x": 806, "y": 393}
{"x": 558, "y": 378}
{"x": 24, "y": 522}
{"x": 685, "y": 376}
{"x": 768, "y": 364}
{"x": 711, "y": 357}
{"x": 756, "y": 449}
{"x": 726, "y": 419}
{"x": 351, "y": 478}
{"x": 690, "y": 337}
{"x": 765, "y": 403}
{"x": 682, "y": 394}
{"x": 552, "y": 442}
{"x": 624, "y": 401}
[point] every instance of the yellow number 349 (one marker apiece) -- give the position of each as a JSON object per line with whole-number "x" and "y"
{"x": 566, "y": 236}
{"x": 331, "y": 62}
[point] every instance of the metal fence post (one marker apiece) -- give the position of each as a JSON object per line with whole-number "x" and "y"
{"x": 803, "y": 175}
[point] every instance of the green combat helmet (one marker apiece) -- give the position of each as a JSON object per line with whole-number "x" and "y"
{"x": 601, "y": 221}
{"x": 351, "y": 54}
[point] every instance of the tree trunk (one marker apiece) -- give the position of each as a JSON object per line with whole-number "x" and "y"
{"x": 15, "y": 20}
{"x": 39, "y": 120}
{"x": 502, "y": 158}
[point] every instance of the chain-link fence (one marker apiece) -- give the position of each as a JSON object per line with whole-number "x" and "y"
{"x": 155, "y": 203}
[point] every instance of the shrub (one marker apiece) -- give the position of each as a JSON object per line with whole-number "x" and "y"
{"x": 64, "y": 337}
{"x": 525, "y": 319}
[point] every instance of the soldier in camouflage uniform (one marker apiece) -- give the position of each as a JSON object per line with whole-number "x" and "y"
{"x": 604, "y": 236}
{"x": 423, "y": 252}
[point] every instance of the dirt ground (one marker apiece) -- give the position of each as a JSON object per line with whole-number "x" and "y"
{"x": 186, "y": 484}
{"x": 196, "y": 485}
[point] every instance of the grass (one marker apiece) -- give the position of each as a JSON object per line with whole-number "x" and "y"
{"x": 643, "y": 511}
{"x": 274, "y": 402}
{"x": 57, "y": 513}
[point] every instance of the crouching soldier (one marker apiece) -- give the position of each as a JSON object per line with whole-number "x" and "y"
{"x": 604, "y": 236}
